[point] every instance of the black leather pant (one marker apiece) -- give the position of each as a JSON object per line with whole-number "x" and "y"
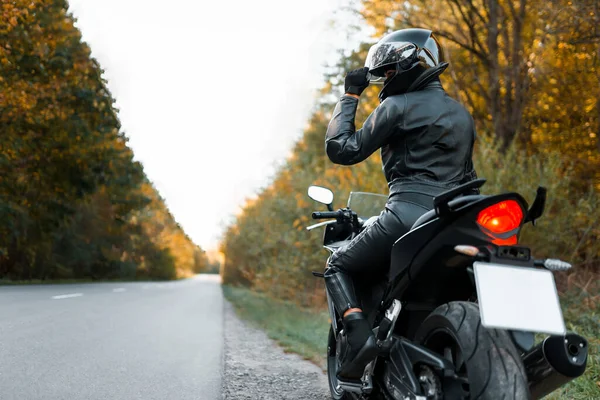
{"x": 367, "y": 256}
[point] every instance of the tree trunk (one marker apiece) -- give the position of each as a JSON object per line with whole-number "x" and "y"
{"x": 494, "y": 70}
{"x": 520, "y": 79}
{"x": 598, "y": 125}
{"x": 598, "y": 76}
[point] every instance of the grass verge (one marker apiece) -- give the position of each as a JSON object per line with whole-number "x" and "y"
{"x": 582, "y": 315}
{"x": 299, "y": 331}
{"x": 305, "y": 332}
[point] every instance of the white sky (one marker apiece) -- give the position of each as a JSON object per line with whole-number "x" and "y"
{"x": 211, "y": 93}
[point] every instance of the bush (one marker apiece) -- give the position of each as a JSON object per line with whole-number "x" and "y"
{"x": 569, "y": 228}
{"x": 269, "y": 250}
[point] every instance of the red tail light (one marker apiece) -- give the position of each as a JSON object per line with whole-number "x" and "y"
{"x": 501, "y": 218}
{"x": 505, "y": 242}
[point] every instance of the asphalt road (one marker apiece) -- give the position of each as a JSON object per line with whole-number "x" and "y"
{"x": 112, "y": 341}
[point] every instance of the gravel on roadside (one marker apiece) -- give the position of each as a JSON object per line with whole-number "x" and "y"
{"x": 256, "y": 368}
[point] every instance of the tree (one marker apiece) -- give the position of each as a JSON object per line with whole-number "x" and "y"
{"x": 526, "y": 69}
{"x": 492, "y": 38}
{"x": 73, "y": 202}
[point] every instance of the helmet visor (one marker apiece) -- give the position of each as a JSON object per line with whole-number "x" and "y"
{"x": 390, "y": 55}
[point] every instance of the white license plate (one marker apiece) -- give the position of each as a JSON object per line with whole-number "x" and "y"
{"x": 518, "y": 298}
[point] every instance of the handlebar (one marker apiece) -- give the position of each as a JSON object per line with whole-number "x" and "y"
{"x": 326, "y": 214}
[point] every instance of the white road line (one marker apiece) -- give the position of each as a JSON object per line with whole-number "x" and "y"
{"x": 117, "y": 290}
{"x": 67, "y": 296}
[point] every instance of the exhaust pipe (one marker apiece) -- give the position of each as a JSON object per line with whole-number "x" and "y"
{"x": 554, "y": 362}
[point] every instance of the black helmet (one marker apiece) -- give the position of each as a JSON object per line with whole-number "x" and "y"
{"x": 415, "y": 55}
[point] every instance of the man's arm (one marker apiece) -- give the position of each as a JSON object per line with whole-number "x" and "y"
{"x": 344, "y": 144}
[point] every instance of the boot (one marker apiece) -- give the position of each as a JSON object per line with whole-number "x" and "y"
{"x": 358, "y": 348}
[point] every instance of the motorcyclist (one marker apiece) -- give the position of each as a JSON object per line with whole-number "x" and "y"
{"x": 426, "y": 140}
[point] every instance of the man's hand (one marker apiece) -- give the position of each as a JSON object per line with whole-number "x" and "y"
{"x": 356, "y": 81}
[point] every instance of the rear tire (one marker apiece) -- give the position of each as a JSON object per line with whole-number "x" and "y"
{"x": 487, "y": 357}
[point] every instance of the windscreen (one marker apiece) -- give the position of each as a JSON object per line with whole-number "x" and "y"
{"x": 367, "y": 205}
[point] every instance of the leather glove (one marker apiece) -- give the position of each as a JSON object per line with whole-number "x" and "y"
{"x": 356, "y": 81}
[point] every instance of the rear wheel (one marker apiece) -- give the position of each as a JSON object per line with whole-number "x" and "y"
{"x": 488, "y": 366}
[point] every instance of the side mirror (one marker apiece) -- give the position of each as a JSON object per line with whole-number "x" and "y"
{"x": 322, "y": 195}
{"x": 537, "y": 208}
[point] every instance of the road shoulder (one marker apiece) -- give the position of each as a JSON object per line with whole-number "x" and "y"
{"x": 256, "y": 368}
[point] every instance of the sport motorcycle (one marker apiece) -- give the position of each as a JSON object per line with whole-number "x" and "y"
{"x": 457, "y": 315}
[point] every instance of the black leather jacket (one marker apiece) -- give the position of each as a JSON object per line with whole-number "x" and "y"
{"x": 426, "y": 139}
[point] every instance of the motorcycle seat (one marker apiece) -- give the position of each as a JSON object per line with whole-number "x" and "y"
{"x": 453, "y": 204}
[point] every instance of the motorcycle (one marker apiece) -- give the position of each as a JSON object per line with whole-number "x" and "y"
{"x": 457, "y": 314}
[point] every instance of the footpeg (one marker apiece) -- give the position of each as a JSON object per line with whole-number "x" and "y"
{"x": 383, "y": 329}
{"x": 351, "y": 386}
{"x": 364, "y": 386}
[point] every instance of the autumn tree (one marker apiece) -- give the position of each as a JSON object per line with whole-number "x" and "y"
{"x": 527, "y": 70}
{"x": 522, "y": 78}
{"x": 565, "y": 107}
{"x": 493, "y": 39}
{"x": 73, "y": 201}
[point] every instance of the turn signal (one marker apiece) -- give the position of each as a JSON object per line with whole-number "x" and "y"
{"x": 467, "y": 250}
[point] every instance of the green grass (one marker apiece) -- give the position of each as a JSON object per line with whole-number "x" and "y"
{"x": 582, "y": 315}
{"x": 303, "y": 332}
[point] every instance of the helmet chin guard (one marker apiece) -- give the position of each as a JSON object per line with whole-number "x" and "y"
{"x": 410, "y": 81}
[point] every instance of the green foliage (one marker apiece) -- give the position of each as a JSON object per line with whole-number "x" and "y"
{"x": 73, "y": 202}
{"x": 212, "y": 268}
{"x": 570, "y": 226}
